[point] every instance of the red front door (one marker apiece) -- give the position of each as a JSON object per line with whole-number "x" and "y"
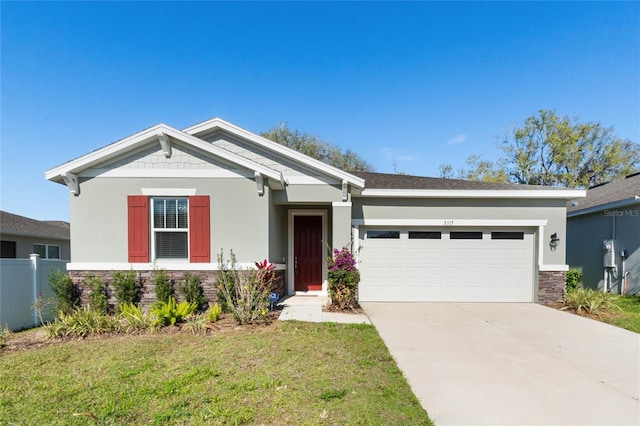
{"x": 307, "y": 252}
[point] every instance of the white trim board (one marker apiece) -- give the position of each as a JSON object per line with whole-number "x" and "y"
{"x": 552, "y": 268}
{"x": 563, "y": 194}
{"x": 169, "y": 173}
{"x": 447, "y": 222}
{"x": 168, "y": 266}
{"x": 168, "y": 192}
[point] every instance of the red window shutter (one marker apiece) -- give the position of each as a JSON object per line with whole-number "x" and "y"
{"x": 138, "y": 208}
{"x": 199, "y": 229}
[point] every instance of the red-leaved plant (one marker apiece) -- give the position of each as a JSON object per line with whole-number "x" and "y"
{"x": 344, "y": 277}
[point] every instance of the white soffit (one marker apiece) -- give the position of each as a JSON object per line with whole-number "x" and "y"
{"x": 273, "y": 146}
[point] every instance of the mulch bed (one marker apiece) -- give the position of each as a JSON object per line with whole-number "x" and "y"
{"x": 37, "y": 339}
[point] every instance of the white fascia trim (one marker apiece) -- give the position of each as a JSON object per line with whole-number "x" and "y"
{"x": 146, "y": 136}
{"x": 341, "y": 204}
{"x": 273, "y": 146}
{"x": 551, "y": 268}
{"x": 450, "y": 222}
{"x": 167, "y": 173}
{"x": 609, "y": 206}
{"x": 563, "y": 194}
{"x": 168, "y": 266}
{"x": 311, "y": 180}
{"x": 168, "y": 192}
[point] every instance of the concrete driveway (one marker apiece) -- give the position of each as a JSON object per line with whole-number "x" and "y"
{"x": 512, "y": 364}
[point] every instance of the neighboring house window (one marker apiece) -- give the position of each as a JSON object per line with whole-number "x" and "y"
{"x": 169, "y": 228}
{"x": 47, "y": 251}
{"x": 8, "y": 250}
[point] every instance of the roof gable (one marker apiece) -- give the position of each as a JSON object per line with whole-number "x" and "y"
{"x": 162, "y": 134}
{"x": 211, "y": 126}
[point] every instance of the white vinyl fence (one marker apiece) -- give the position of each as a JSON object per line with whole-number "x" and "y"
{"x": 21, "y": 282}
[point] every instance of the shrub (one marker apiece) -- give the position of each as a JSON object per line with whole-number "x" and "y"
{"x": 192, "y": 291}
{"x": 590, "y": 301}
{"x": 196, "y": 323}
{"x": 43, "y": 307}
{"x": 343, "y": 277}
{"x": 226, "y": 281}
{"x": 172, "y": 313}
{"x": 81, "y": 323}
{"x": 67, "y": 293}
{"x": 213, "y": 313}
{"x": 132, "y": 318}
{"x": 164, "y": 287}
{"x": 245, "y": 292}
{"x": 127, "y": 288}
{"x": 97, "y": 297}
{"x": 5, "y": 334}
{"x": 573, "y": 279}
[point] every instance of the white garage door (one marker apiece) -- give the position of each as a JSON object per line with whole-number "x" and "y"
{"x": 447, "y": 265}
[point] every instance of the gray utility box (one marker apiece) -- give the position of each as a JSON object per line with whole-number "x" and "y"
{"x": 609, "y": 259}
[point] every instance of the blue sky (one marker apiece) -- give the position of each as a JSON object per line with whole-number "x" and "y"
{"x": 415, "y": 84}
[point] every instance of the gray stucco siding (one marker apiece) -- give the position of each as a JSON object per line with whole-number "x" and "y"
{"x": 586, "y": 235}
{"x": 553, "y": 211}
{"x": 308, "y": 194}
{"x": 239, "y": 217}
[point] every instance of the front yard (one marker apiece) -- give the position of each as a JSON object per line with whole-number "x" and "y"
{"x": 629, "y": 315}
{"x": 284, "y": 373}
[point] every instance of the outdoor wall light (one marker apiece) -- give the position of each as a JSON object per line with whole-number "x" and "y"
{"x": 554, "y": 241}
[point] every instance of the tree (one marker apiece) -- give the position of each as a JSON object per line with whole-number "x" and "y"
{"x": 317, "y": 148}
{"x": 557, "y": 151}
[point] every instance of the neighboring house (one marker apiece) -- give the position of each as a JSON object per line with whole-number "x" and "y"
{"x": 174, "y": 199}
{"x": 21, "y": 236}
{"x": 609, "y": 212}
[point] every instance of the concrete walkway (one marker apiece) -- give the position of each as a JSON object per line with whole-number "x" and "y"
{"x": 512, "y": 364}
{"x": 309, "y": 308}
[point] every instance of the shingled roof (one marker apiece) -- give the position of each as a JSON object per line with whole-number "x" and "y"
{"x": 627, "y": 188}
{"x": 398, "y": 181}
{"x": 13, "y": 224}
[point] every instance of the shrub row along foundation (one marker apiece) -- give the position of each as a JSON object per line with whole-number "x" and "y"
{"x": 208, "y": 281}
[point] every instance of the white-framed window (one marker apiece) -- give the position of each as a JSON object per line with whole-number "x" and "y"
{"x": 47, "y": 251}
{"x": 170, "y": 228}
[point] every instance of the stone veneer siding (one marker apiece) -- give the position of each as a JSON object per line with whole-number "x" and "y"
{"x": 551, "y": 286}
{"x": 208, "y": 280}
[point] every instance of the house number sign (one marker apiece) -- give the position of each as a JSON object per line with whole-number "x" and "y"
{"x": 448, "y": 223}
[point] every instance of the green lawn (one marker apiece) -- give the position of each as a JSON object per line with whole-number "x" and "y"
{"x": 629, "y": 316}
{"x": 287, "y": 373}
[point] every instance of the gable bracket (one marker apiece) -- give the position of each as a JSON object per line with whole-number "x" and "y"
{"x": 71, "y": 180}
{"x": 345, "y": 190}
{"x": 165, "y": 144}
{"x": 259, "y": 183}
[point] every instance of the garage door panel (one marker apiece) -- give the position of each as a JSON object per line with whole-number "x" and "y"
{"x": 447, "y": 270}
{"x": 420, "y": 274}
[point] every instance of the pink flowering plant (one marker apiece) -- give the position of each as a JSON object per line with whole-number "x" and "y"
{"x": 344, "y": 277}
